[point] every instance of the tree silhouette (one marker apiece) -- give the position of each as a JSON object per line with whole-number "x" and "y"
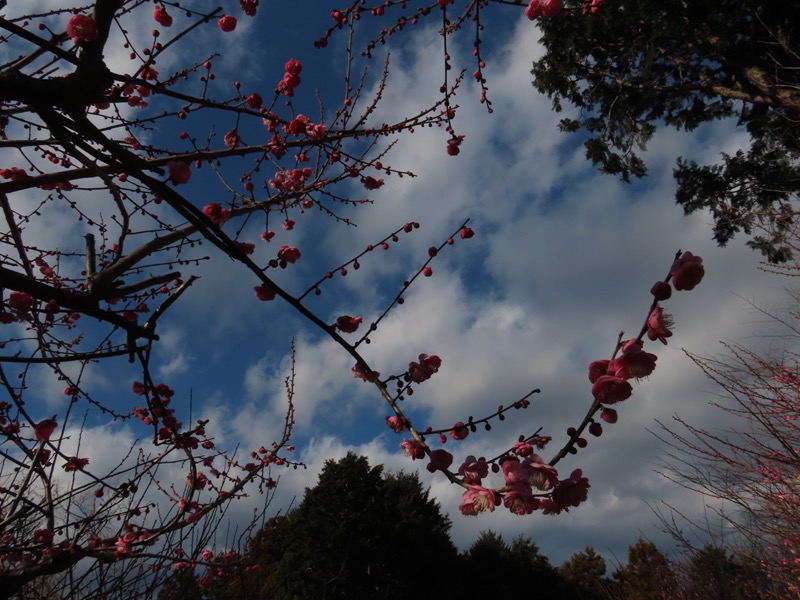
{"x": 586, "y": 571}
{"x": 358, "y": 533}
{"x": 648, "y": 574}
{"x": 715, "y": 574}
{"x": 516, "y": 568}
{"x": 630, "y": 66}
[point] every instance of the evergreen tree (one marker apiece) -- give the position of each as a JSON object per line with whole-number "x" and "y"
{"x": 358, "y": 534}
{"x": 515, "y": 570}
{"x": 585, "y": 571}
{"x": 630, "y": 66}
{"x": 648, "y": 574}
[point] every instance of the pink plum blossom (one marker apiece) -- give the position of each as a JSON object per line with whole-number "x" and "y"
{"x": 538, "y": 473}
{"x": 82, "y": 28}
{"x": 290, "y": 79}
{"x": 14, "y": 174}
{"x": 227, "y": 23}
{"x": 43, "y": 536}
{"x": 75, "y": 464}
{"x": 293, "y": 66}
{"x": 216, "y": 214}
{"x": 361, "y": 372}
{"x": 424, "y": 369}
{"x": 522, "y": 449}
{"x": 542, "y": 8}
{"x": 371, "y": 183}
{"x": 477, "y": 499}
{"x": 519, "y": 500}
{"x": 658, "y": 324}
{"x": 609, "y": 389}
{"x": 549, "y": 507}
{"x": 44, "y": 429}
{"x": 473, "y": 470}
{"x": 288, "y": 254}
{"x": 453, "y": 146}
{"x": 597, "y": 369}
{"x": 264, "y": 292}
{"x": 395, "y": 423}
{"x": 297, "y": 126}
{"x": 348, "y": 324}
{"x": 413, "y": 448}
{"x": 572, "y": 491}
{"x": 440, "y": 460}
{"x": 512, "y": 470}
{"x": 232, "y": 139}
{"x": 687, "y": 271}
{"x": 179, "y": 172}
{"x": 633, "y": 362}
{"x": 21, "y": 301}
{"x": 533, "y": 472}
{"x": 161, "y": 16}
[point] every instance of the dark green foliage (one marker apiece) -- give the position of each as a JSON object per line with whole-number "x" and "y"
{"x": 362, "y": 534}
{"x": 748, "y": 190}
{"x": 497, "y": 570}
{"x": 639, "y": 64}
{"x": 585, "y": 571}
{"x": 648, "y": 574}
{"x": 358, "y": 534}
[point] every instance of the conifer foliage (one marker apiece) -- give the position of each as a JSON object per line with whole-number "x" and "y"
{"x": 631, "y": 66}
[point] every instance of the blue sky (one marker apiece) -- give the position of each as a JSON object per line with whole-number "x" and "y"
{"x": 563, "y": 259}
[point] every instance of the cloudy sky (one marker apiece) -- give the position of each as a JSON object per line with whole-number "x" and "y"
{"x": 563, "y": 260}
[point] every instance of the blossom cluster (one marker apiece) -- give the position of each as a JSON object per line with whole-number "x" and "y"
{"x": 161, "y": 16}
{"x": 542, "y": 8}
{"x": 179, "y": 172}
{"x": 291, "y": 180}
{"x": 82, "y": 29}
{"x": 348, "y": 324}
{"x": 531, "y": 483}
{"x": 424, "y": 369}
{"x": 216, "y": 214}
{"x": 301, "y": 124}
{"x": 291, "y": 77}
{"x": 610, "y": 378}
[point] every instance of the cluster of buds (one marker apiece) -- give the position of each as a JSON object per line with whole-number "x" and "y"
{"x": 531, "y": 483}
{"x": 291, "y": 77}
{"x": 610, "y": 378}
